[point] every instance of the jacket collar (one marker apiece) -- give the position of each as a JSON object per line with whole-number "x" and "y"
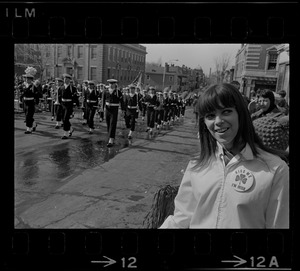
{"x": 246, "y": 153}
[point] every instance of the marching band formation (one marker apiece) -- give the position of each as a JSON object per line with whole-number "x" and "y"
{"x": 160, "y": 109}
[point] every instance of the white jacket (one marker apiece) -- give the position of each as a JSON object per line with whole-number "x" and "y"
{"x": 248, "y": 192}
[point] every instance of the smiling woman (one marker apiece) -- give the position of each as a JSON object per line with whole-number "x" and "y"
{"x": 235, "y": 181}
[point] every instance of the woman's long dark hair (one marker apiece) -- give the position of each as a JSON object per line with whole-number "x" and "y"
{"x": 217, "y": 97}
{"x": 266, "y": 93}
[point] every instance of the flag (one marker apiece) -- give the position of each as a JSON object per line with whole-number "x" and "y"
{"x": 137, "y": 82}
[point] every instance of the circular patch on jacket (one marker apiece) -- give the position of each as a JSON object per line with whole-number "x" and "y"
{"x": 243, "y": 179}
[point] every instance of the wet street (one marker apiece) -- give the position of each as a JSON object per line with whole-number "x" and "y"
{"x": 45, "y": 166}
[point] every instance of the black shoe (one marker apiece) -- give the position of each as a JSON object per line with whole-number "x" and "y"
{"x": 27, "y": 132}
{"x": 71, "y": 132}
{"x": 62, "y": 125}
{"x": 84, "y": 123}
{"x": 56, "y": 126}
{"x": 109, "y": 145}
{"x": 34, "y": 128}
{"x": 129, "y": 137}
{"x": 148, "y": 129}
{"x": 52, "y": 118}
{"x": 64, "y": 137}
{"x": 90, "y": 132}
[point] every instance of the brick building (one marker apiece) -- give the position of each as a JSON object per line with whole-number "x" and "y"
{"x": 283, "y": 82}
{"x": 256, "y": 67}
{"x": 97, "y": 62}
{"x": 177, "y": 78}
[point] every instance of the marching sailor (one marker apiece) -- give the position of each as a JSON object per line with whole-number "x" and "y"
{"x": 151, "y": 102}
{"x": 65, "y": 97}
{"x": 143, "y": 104}
{"x": 84, "y": 107}
{"x": 166, "y": 107}
{"x": 159, "y": 114}
{"x": 131, "y": 107}
{"x": 30, "y": 98}
{"x": 112, "y": 97}
{"x": 57, "y": 107}
{"x": 91, "y": 101}
{"x": 100, "y": 88}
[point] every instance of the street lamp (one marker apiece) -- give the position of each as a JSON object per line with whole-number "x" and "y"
{"x": 164, "y": 75}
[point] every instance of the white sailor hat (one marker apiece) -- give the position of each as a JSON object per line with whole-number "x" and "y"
{"x": 85, "y": 81}
{"x": 59, "y": 79}
{"x": 91, "y": 83}
{"x": 132, "y": 86}
{"x": 152, "y": 87}
{"x": 112, "y": 81}
{"x": 28, "y": 75}
{"x": 65, "y": 75}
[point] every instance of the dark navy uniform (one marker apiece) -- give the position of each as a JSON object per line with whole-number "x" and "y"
{"x": 166, "y": 107}
{"x": 130, "y": 108}
{"x": 110, "y": 101}
{"x": 173, "y": 106}
{"x": 91, "y": 100}
{"x": 65, "y": 98}
{"x": 57, "y": 107}
{"x": 143, "y": 105}
{"x": 151, "y": 102}
{"x": 84, "y": 106}
{"x": 30, "y": 98}
{"x": 159, "y": 114}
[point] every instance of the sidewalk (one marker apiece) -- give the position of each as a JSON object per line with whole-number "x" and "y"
{"x": 119, "y": 193}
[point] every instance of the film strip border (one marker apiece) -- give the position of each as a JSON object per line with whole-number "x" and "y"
{"x": 136, "y": 22}
{"x": 155, "y": 23}
{"x": 150, "y": 250}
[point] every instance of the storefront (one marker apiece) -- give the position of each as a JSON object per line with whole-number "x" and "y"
{"x": 257, "y": 82}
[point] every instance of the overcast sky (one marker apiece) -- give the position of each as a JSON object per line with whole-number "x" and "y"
{"x": 191, "y": 55}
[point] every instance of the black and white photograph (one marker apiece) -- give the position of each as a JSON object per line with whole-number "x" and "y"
{"x": 151, "y": 136}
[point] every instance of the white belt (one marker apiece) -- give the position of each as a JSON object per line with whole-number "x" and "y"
{"x": 91, "y": 101}
{"x": 151, "y": 105}
{"x": 50, "y": 99}
{"x": 111, "y": 104}
{"x": 66, "y": 100}
{"x": 132, "y": 107}
{"x": 28, "y": 98}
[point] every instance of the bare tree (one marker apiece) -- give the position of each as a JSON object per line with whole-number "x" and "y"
{"x": 221, "y": 65}
{"x": 36, "y": 55}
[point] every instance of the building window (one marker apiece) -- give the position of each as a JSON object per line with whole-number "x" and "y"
{"x": 108, "y": 54}
{"x": 80, "y": 52}
{"x": 119, "y": 55}
{"x": 59, "y": 71}
{"x": 93, "y": 52}
{"x": 79, "y": 73}
{"x": 59, "y": 51}
{"x": 69, "y": 70}
{"x": 93, "y": 73}
{"x": 113, "y": 54}
{"x": 69, "y": 50}
{"x": 272, "y": 61}
{"x": 108, "y": 73}
{"x": 170, "y": 78}
{"x": 47, "y": 51}
{"x": 148, "y": 77}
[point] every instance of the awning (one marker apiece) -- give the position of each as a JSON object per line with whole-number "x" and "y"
{"x": 263, "y": 80}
